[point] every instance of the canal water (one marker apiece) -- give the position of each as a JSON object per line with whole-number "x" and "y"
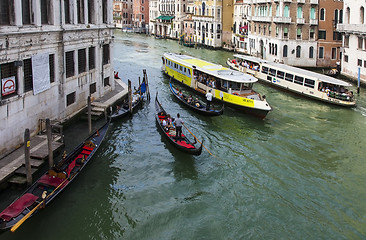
{"x": 298, "y": 174}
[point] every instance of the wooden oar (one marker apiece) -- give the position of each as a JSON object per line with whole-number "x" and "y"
{"x": 21, "y": 221}
{"x": 198, "y": 140}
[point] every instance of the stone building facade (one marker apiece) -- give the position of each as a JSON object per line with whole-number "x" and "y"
{"x": 54, "y": 54}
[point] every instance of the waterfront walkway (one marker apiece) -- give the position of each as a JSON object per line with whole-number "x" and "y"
{"x": 12, "y": 167}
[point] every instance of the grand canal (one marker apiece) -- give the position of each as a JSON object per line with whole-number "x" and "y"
{"x": 298, "y": 174}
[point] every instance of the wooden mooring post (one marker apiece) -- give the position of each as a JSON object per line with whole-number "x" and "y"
{"x": 129, "y": 96}
{"x": 49, "y": 141}
{"x": 89, "y": 115}
{"x": 27, "y": 156}
{"x": 147, "y": 84}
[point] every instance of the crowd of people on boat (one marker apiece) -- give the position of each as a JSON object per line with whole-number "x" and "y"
{"x": 336, "y": 91}
{"x": 207, "y": 80}
{"x": 252, "y": 66}
{"x": 195, "y": 102}
{"x": 174, "y": 125}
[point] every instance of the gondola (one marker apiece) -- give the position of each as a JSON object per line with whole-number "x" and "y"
{"x": 184, "y": 145}
{"x": 124, "y": 110}
{"x": 53, "y": 182}
{"x": 196, "y": 105}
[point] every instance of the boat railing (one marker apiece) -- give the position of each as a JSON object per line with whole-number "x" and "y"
{"x": 341, "y": 96}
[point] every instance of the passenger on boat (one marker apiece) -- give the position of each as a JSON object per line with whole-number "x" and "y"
{"x": 165, "y": 125}
{"x": 190, "y": 99}
{"x": 178, "y": 127}
{"x": 197, "y": 103}
{"x": 214, "y": 83}
{"x": 180, "y": 94}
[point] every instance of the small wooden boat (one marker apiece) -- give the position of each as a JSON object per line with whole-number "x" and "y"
{"x": 195, "y": 105}
{"x": 48, "y": 186}
{"x": 184, "y": 145}
{"x": 124, "y": 110}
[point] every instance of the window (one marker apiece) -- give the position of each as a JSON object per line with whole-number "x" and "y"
{"x": 334, "y": 53}
{"x": 299, "y": 80}
{"x": 322, "y": 34}
{"x": 28, "y": 78}
{"x": 105, "y": 11}
{"x": 364, "y": 64}
{"x": 272, "y": 72}
{"x": 106, "y": 82}
{"x": 346, "y": 58}
{"x": 82, "y": 60}
{"x": 289, "y": 77}
{"x": 285, "y": 32}
{"x": 67, "y": 11}
{"x": 277, "y": 10}
{"x": 8, "y": 70}
{"x": 45, "y": 11}
{"x": 6, "y": 10}
{"x": 359, "y": 62}
{"x": 337, "y": 36}
{"x": 298, "y": 33}
{"x": 105, "y": 53}
{"x": 336, "y": 16}
{"x": 80, "y": 11}
{"x": 362, "y": 14}
{"x": 312, "y": 33}
{"x": 265, "y": 70}
{"x": 92, "y": 88}
{"x": 285, "y": 50}
{"x": 298, "y": 51}
{"x": 346, "y": 41}
{"x": 26, "y": 12}
{"x": 312, "y": 13}
{"x": 311, "y": 52}
{"x": 91, "y": 16}
{"x": 309, "y": 83}
{"x": 322, "y": 14}
{"x": 70, "y": 98}
{"x": 280, "y": 74}
{"x": 70, "y": 68}
{"x": 286, "y": 12}
{"x": 360, "y": 42}
{"x": 91, "y": 58}
{"x": 341, "y": 16}
{"x": 52, "y": 67}
{"x": 299, "y": 12}
{"x": 321, "y": 52}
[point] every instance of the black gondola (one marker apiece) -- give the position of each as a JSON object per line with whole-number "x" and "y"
{"x": 124, "y": 110}
{"x": 196, "y": 105}
{"x": 184, "y": 145}
{"x": 53, "y": 182}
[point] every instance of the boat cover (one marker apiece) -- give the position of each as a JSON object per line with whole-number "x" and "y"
{"x": 18, "y": 206}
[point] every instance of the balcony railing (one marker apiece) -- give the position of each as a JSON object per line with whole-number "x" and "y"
{"x": 314, "y": 1}
{"x": 351, "y": 28}
{"x": 262, "y": 19}
{"x": 300, "y": 1}
{"x": 281, "y": 19}
{"x": 313, "y": 21}
{"x": 300, "y": 21}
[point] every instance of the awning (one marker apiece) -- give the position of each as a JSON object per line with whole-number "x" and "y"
{"x": 165, "y": 17}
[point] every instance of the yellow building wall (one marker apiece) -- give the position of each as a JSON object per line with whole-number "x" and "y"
{"x": 227, "y": 20}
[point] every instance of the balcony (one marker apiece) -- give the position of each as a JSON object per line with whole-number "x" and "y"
{"x": 278, "y": 19}
{"x": 351, "y": 28}
{"x": 300, "y": 20}
{"x": 287, "y": 1}
{"x": 314, "y": 2}
{"x": 313, "y": 21}
{"x": 261, "y": 1}
{"x": 301, "y": 1}
{"x": 249, "y": 18}
{"x": 262, "y": 19}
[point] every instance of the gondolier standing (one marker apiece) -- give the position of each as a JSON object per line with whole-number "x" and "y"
{"x": 178, "y": 127}
{"x": 209, "y": 99}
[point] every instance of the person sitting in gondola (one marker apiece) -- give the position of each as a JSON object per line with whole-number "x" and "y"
{"x": 180, "y": 94}
{"x": 190, "y": 99}
{"x": 165, "y": 125}
{"x": 197, "y": 103}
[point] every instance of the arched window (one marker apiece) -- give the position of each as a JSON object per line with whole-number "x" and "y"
{"x": 336, "y": 16}
{"x": 348, "y": 12}
{"x": 270, "y": 11}
{"x": 286, "y": 12}
{"x": 341, "y": 16}
{"x": 312, "y": 13}
{"x": 184, "y": 8}
{"x": 311, "y": 52}
{"x": 285, "y": 49}
{"x": 275, "y": 50}
{"x": 299, "y": 12}
{"x": 203, "y": 8}
{"x": 362, "y": 15}
{"x": 298, "y": 51}
{"x": 277, "y": 10}
{"x": 322, "y": 14}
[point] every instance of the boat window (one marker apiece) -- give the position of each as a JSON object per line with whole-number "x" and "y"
{"x": 265, "y": 70}
{"x": 289, "y": 77}
{"x": 189, "y": 71}
{"x": 269, "y": 78}
{"x": 272, "y": 72}
{"x": 299, "y": 80}
{"x": 309, "y": 83}
{"x": 280, "y": 74}
{"x": 180, "y": 68}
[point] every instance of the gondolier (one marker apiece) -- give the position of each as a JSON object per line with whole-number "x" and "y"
{"x": 178, "y": 128}
{"x": 209, "y": 99}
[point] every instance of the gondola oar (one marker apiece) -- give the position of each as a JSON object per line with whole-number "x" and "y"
{"x": 198, "y": 140}
{"x": 21, "y": 221}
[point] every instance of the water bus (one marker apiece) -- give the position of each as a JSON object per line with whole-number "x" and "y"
{"x": 232, "y": 87}
{"x": 297, "y": 80}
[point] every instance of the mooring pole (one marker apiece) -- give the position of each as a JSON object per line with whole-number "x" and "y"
{"x": 147, "y": 84}
{"x": 27, "y": 156}
{"x": 89, "y": 115}
{"x": 49, "y": 141}
{"x": 140, "y": 85}
{"x": 358, "y": 80}
{"x": 129, "y": 96}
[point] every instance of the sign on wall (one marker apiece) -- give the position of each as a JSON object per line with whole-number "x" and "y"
{"x": 41, "y": 73}
{"x": 8, "y": 86}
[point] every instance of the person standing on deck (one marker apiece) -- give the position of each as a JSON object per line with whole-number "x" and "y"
{"x": 209, "y": 99}
{"x": 178, "y": 127}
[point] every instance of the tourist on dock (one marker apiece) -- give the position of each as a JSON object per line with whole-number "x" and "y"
{"x": 116, "y": 75}
{"x": 209, "y": 99}
{"x": 178, "y": 127}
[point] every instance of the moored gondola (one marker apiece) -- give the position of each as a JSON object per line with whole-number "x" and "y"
{"x": 53, "y": 182}
{"x": 195, "y": 104}
{"x": 184, "y": 144}
{"x": 124, "y": 109}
